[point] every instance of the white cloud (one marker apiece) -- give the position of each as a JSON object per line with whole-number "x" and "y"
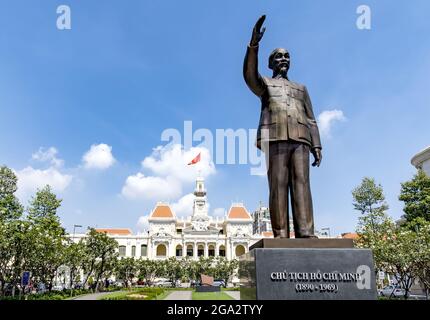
{"x": 98, "y": 157}
{"x": 184, "y": 206}
{"x": 139, "y": 186}
{"x": 49, "y": 155}
{"x": 327, "y": 118}
{"x": 219, "y": 212}
{"x": 169, "y": 171}
{"x": 173, "y": 161}
{"x": 30, "y": 179}
{"x": 142, "y": 223}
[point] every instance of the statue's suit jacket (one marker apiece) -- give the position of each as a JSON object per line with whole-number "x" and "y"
{"x": 286, "y": 109}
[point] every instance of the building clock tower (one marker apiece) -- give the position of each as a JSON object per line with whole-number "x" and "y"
{"x": 200, "y": 218}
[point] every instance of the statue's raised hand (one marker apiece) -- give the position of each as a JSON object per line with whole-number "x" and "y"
{"x": 258, "y": 32}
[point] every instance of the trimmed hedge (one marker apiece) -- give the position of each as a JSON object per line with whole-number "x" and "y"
{"x": 53, "y": 295}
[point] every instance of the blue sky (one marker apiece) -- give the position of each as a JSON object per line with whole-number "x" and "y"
{"x": 126, "y": 71}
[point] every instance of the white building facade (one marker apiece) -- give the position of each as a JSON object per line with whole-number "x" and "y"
{"x": 422, "y": 160}
{"x": 194, "y": 236}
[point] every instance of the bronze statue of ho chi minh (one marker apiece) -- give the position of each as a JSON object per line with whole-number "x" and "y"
{"x": 287, "y": 133}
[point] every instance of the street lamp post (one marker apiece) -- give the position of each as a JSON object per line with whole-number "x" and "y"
{"x": 74, "y": 229}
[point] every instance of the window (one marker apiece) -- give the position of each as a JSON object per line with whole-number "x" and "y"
{"x": 133, "y": 251}
{"x": 211, "y": 251}
{"x": 121, "y": 251}
{"x": 161, "y": 250}
{"x": 190, "y": 251}
{"x": 143, "y": 250}
{"x": 179, "y": 250}
{"x": 240, "y": 250}
{"x": 222, "y": 251}
{"x": 200, "y": 251}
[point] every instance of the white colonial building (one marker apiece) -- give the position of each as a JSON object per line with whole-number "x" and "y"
{"x": 194, "y": 236}
{"x": 422, "y": 160}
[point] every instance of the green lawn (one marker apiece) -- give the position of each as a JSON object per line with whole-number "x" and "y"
{"x": 230, "y": 289}
{"x": 211, "y": 296}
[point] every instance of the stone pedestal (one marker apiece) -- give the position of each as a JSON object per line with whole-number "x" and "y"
{"x": 307, "y": 269}
{"x": 303, "y": 243}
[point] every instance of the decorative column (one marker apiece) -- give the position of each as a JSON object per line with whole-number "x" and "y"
{"x": 149, "y": 249}
{"x": 171, "y": 247}
{"x": 227, "y": 249}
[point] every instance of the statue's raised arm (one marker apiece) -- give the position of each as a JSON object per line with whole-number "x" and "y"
{"x": 250, "y": 65}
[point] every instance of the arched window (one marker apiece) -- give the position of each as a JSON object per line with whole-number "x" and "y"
{"x": 121, "y": 250}
{"x": 133, "y": 251}
{"x": 143, "y": 250}
{"x": 190, "y": 251}
{"x": 200, "y": 250}
{"x": 240, "y": 250}
{"x": 221, "y": 251}
{"x": 211, "y": 251}
{"x": 179, "y": 250}
{"x": 161, "y": 250}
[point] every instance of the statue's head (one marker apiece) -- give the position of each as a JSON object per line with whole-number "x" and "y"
{"x": 279, "y": 61}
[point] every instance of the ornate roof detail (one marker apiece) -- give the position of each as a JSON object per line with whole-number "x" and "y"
{"x": 162, "y": 211}
{"x": 238, "y": 212}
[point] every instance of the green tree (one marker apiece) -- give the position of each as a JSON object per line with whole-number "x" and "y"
{"x": 175, "y": 269}
{"x": 49, "y": 237}
{"x": 206, "y": 265}
{"x": 401, "y": 255}
{"x": 194, "y": 269}
{"x": 100, "y": 255}
{"x": 416, "y": 196}
{"x": 422, "y": 263}
{"x": 106, "y": 268}
{"x": 147, "y": 270}
{"x": 160, "y": 268}
{"x": 126, "y": 270}
{"x": 10, "y": 208}
{"x": 16, "y": 240}
{"x": 396, "y": 250}
{"x": 225, "y": 269}
{"x": 13, "y": 232}
{"x": 74, "y": 259}
{"x": 373, "y": 223}
{"x": 369, "y": 199}
{"x": 372, "y": 234}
